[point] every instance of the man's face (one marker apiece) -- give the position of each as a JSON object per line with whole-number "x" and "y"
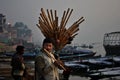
{"x": 22, "y": 51}
{"x": 48, "y": 46}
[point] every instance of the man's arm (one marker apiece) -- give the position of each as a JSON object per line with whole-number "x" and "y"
{"x": 41, "y": 66}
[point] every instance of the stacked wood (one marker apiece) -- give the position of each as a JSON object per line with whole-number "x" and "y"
{"x": 59, "y": 34}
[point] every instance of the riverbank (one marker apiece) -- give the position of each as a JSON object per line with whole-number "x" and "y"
{"x": 5, "y": 68}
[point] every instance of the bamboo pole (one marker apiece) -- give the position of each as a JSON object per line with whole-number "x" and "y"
{"x": 46, "y": 18}
{"x": 48, "y": 24}
{"x": 61, "y": 24}
{"x": 68, "y": 18}
{"x": 64, "y": 19}
{"x": 49, "y": 55}
{"x": 49, "y": 17}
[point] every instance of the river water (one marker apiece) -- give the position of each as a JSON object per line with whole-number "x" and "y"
{"x": 72, "y": 77}
{"x": 78, "y": 78}
{"x": 86, "y": 78}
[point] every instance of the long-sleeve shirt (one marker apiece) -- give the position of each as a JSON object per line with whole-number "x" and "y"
{"x": 45, "y": 68}
{"x": 18, "y": 65}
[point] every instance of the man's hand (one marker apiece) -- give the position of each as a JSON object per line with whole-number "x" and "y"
{"x": 59, "y": 64}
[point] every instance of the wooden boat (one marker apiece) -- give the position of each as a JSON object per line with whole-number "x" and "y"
{"x": 73, "y": 52}
{"x": 104, "y": 73}
{"x": 111, "y": 43}
{"x": 27, "y": 55}
{"x": 76, "y": 67}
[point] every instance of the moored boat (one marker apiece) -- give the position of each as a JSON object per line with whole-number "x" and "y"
{"x": 111, "y": 43}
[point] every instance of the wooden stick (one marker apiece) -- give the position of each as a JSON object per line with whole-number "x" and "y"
{"x": 46, "y": 19}
{"x": 68, "y": 18}
{"x": 48, "y": 24}
{"x": 49, "y": 55}
{"x": 61, "y": 24}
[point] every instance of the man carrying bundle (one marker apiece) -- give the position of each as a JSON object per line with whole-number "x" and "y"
{"x": 46, "y": 64}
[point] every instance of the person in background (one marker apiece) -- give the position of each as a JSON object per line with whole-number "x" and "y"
{"x": 17, "y": 63}
{"x": 46, "y": 68}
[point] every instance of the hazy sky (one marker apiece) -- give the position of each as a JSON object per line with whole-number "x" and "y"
{"x": 101, "y": 16}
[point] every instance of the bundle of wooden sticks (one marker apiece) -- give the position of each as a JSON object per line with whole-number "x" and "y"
{"x": 59, "y": 34}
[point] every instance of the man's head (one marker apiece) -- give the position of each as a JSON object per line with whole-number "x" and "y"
{"x": 47, "y": 44}
{"x": 20, "y": 49}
